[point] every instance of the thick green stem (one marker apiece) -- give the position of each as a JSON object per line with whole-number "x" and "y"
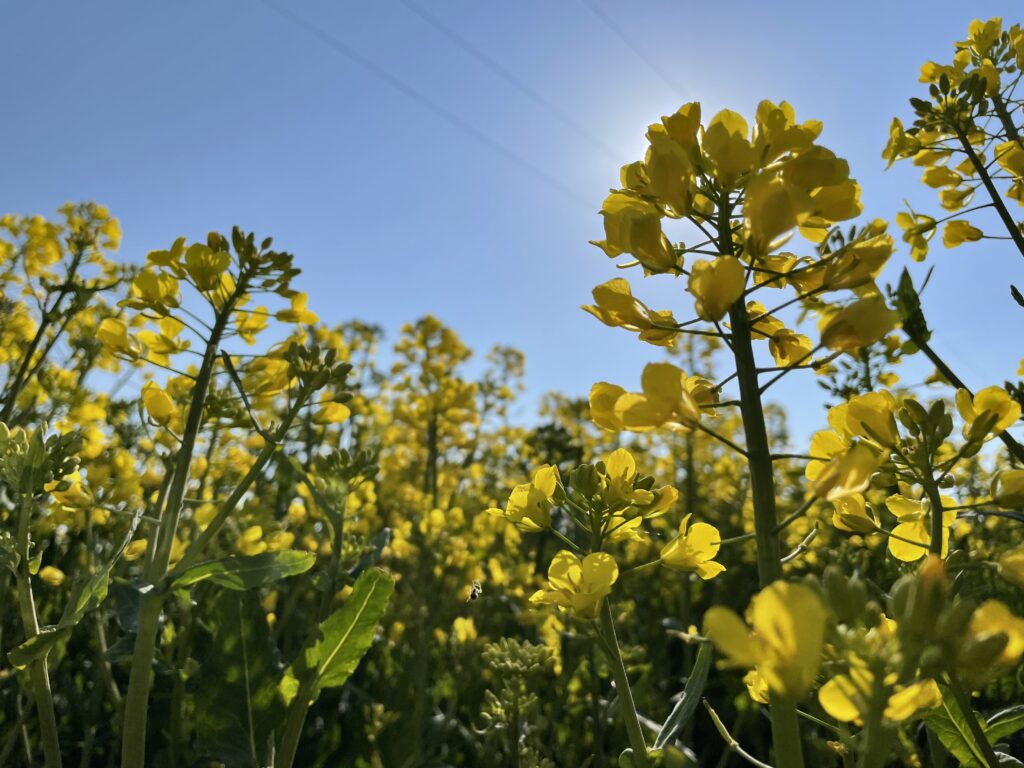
{"x": 785, "y": 725}
{"x": 877, "y": 738}
{"x": 759, "y": 459}
{"x": 293, "y": 725}
{"x": 39, "y": 675}
{"x": 786, "y": 741}
{"x": 963, "y": 701}
{"x": 627, "y": 708}
{"x": 149, "y": 612}
{"x": 136, "y": 702}
{"x": 133, "y": 740}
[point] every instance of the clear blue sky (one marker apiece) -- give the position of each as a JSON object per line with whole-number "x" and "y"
{"x": 408, "y": 176}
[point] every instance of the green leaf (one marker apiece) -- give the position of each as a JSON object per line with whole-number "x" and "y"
{"x": 241, "y": 572}
{"x": 86, "y": 594}
{"x": 346, "y": 635}
{"x": 236, "y": 701}
{"x": 37, "y": 647}
{"x": 1005, "y": 723}
{"x": 690, "y": 699}
{"x": 947, "y": 722}
{"x": 908, "y": 304}
{"x": 9, "y": 553}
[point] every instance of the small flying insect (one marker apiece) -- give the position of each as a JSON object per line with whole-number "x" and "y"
{"x": 475, "y": 591}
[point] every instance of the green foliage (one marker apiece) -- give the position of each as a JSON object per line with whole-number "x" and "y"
{"x": 239, "y": 572}
{"x": 343, "y": 637}
{"x": 237, "y": 706}
{"x": 689, "y": 700}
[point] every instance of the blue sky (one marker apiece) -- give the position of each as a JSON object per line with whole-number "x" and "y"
{"x": 408, "y": 176}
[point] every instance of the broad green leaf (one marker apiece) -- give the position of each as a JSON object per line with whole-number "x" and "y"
{"x": 1005, "y": 723}
{"x": 346, "y": 635}
{"x": 236, "y": 701}
{"x": 947, "y": 722}
{"x": 690, "y": 699}
{"x": 240, "y": 572}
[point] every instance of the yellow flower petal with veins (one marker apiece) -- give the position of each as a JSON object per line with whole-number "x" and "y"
{"x": 616, "y": 306}
{"x": 992, "y": 400}
{"x": 727, "y": 148}
{"x": 633, "y": 226}
{"x": 694, "y": 549}
{"x": 158, "y": 404}
{"x": 603, "y": 397}
{"x": 578, "y": 585}
{"x": 863, "y": 322}
{"x": 848, "y": 473}
{"x": 716, "y": 285}
{"x": 786, "y": 640}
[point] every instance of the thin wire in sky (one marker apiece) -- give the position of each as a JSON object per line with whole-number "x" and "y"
{"x": 340, "y": 47}
{"x": 514, "y": 80}
{"x": 641, "y": 54}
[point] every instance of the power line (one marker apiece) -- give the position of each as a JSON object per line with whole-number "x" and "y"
{"x": 445, "y": 114}
{"x": 524, "y": 88}
{"x": 641, "y": 54}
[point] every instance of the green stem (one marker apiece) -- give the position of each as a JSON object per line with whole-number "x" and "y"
{"x": 627, "y": 708}
{"x": 334, "y": 566}
{"x": 762, "y": 480}
{"x": 876, "y": 736}
{"x": 732, "y": 745}
{"x": 293, "y": 725}
{"x": 39, "y": 676}
{"x": 48, "y": 315}
{"x": 198, "y": 545}
{"x": 1005, "y": 119}
{"x": 785, "y": 725}
{"x": 993, "y": 193}
{"x": 133, "y": 739}
{"x": 937, "y": 529}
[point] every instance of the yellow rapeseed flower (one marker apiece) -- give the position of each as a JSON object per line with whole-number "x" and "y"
{"x": 858, "y": 324}
{"x": 694, "y": 550}
{"x": 783, "y": 641}
{"x": 616, "y": 306}
{"x": 529, "y": 504}
{"x": 847, "y": 697}
{"x": 158, "y": 403}
{"x": 578, "y": 585}
{"x": 716, "y": 285}
{"x": 990, "y": 400}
